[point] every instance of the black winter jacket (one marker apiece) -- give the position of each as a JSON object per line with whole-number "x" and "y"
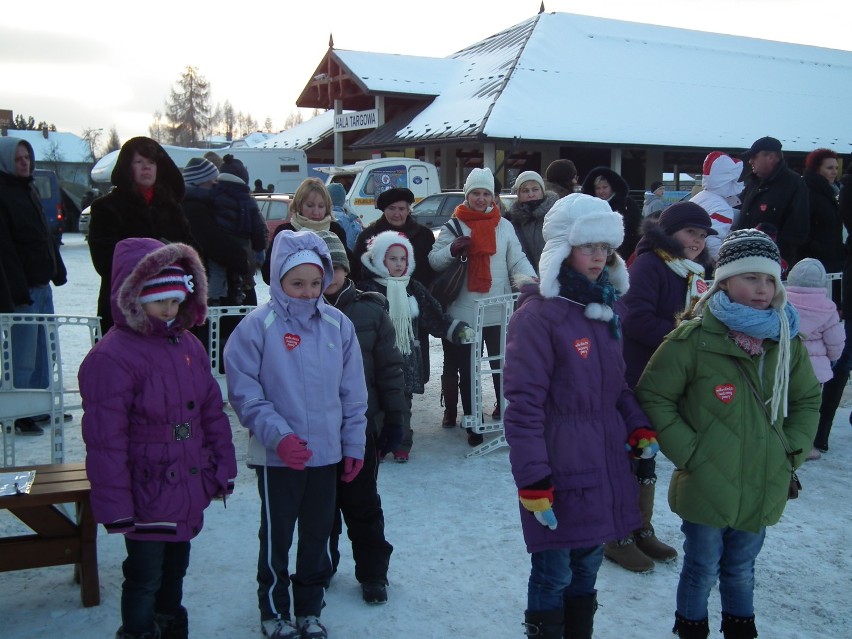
{"x": 620, "y": 202}
{"x": 826, "y": 240}
{"x": 781, "y": 200}
{"x": 382, "y": 359}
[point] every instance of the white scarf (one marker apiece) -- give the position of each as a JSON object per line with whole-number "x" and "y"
{"x": 399, "y": 310}
{"x": 691, "y": 271}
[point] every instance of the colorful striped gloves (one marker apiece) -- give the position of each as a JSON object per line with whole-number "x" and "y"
{"x": 642, "y": 444}
{"x": 538, "y": 499}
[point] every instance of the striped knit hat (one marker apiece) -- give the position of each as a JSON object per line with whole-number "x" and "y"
{"x": 198, "y": 171}
{"x": 170, "y": 283}
{"x": 335, "y": 248}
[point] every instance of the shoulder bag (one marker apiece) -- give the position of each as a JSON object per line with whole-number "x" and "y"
{"x": 448, "y": 283}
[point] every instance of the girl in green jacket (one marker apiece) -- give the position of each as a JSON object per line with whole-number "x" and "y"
{"x": 733, "y": 398}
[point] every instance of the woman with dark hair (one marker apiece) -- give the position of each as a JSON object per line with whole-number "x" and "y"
{"x": 608, "y": 185}
{"x": 826, "y": 239}
{"x": 144, "y": 203}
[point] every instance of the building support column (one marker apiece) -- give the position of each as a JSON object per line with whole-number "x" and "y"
{"x": 338, "y": 137}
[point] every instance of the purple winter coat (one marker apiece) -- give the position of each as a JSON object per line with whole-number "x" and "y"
{"x": 568, "y": 417}
{"x": 657, "y": 294}
{"x": 158, "y": 444}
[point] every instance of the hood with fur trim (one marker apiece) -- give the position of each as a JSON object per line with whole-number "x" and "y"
{"x": 135, "y": 261}
{"x": 374, "y": 258}
{"x": 168, "y": 174}
{"x": 619, "y": 185}
{"x": 580, "y": 219}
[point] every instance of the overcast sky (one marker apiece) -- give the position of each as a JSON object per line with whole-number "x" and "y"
{"x": 97, "y": 64}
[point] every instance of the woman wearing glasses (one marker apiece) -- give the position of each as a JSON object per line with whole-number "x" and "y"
{"x": 495, "y": 260}
{"x": 666, "y": 279}
{"x": 569, "y": 415}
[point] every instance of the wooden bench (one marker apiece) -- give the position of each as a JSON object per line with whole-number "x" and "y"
{"x": 58, "y": 540}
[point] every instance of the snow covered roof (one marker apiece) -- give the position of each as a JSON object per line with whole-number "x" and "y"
{"x": 57, "y": 146}
{"x": 394, "y": 73}
{"x": 301, "y": 136}
{"x": 571, "y": 78}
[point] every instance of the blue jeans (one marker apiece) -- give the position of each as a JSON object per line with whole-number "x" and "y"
{"x": 153, "y": 582}
{"x": 30, "y": 367}
{"x": 717, "y": 553}
{"x": 567, "y": 573}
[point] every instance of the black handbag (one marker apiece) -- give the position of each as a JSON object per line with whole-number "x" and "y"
{"x": 448, "y": 284}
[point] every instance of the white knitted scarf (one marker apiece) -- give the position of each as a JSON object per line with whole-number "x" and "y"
{"x": 399, "y": 310}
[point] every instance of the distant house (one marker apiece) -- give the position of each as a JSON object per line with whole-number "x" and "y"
{"x": 641, "y": 98}
{"x": 66, "y": 154}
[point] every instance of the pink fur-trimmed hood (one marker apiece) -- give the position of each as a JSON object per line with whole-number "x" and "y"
{"x": 137, "y": 260}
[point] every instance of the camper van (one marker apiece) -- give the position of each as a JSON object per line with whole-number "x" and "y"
{"x": 365, "y": 180}
{"x": 283, "y": 168}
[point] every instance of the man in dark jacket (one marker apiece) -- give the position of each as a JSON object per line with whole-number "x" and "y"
{"x": 31, "y": 261}
{"x": 776, "y": 195}
{"x": 359, "y": 500}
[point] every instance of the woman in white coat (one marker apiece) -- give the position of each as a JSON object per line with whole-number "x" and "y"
{"x": 495, "y": 261}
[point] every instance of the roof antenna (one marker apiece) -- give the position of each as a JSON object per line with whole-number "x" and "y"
{"x": 542, "y": 8}
{"x": 331, "y": 37}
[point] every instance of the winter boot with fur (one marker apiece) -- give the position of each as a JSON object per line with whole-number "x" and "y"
{"x": 449, "y": 399}
{"x": 686, "y": 629}
{"x": 625, "y": 553}
{"x": 173, "y": 626}
{"x": 580, "y": 617}
{"x": 646, "y": 540}
{"x": 544, "y": 624}
{"x": 738, "y": 627}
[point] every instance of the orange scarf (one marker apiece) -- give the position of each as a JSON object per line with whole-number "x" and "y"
{"x": 483, "y": 244}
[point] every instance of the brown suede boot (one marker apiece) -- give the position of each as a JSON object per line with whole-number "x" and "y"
{"x": 450, "y": 400}
{"x": 625, "y": 553}
{"x": 645, "y": 538}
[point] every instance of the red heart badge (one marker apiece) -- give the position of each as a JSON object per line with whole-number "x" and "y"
{"x": 725, "y": 392}
{"x": 291, "y": 341}
{"x": 701, "y": 287}
{"x": 583, "y": 346}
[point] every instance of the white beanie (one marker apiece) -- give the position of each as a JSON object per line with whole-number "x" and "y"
{"x": 579, "y": 219}
{"x": 373, "y": 258}
{"x": 479, "y": 179}
{"x": 302, "y": 256}
{"x": 528, "y": 176}
{"x": 808, "y": 273}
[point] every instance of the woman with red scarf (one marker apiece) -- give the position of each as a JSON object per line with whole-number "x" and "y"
{"x": 495, "y": 261}
{"x": 144, "y": 203}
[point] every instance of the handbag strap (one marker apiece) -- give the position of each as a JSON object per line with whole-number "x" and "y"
{"x": 456, "y": 230}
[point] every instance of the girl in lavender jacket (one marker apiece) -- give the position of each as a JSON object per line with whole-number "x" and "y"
{"x": 570, "y": 415}
{"x": 158, "y": 444}
{"x": 296, "y": 381}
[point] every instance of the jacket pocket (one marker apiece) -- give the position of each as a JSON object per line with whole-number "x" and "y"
{"x": 210, "y": 480}
{"x": 159, "y": 492}
{"x": 579, "y": 495}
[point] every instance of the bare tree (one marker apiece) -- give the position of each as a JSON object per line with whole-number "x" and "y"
{"x": 293, "y": 118}
{"x": 229, "y": 120}
{"x": 188, "y": 108}
{"x": 156, "y": 128}
{"x": 113, "y": 142}
{"x": 92, "y": 139}
{"x": 267, "y": 124}
{"x": 53, "y": 158}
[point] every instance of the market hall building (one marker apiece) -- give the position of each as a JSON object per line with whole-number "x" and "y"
{"x": 640, "y": 98}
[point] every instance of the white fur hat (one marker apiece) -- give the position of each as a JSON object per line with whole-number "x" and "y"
{"x": 579, "y": 219}
{"x": 374, "y": 258}
{"x": 479, "y": 179}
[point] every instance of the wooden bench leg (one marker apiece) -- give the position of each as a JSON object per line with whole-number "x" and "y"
{"x": 87, "y": 569}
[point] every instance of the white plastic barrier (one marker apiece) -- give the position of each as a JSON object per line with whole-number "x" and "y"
{"x": 214, "y": 335}
{"x": 25, "y": 402}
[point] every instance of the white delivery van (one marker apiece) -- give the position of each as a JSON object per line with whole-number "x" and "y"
{"x": 366, "y": 179}
{"x": 283, "y": 168}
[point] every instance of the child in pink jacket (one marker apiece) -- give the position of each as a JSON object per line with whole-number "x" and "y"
{"x": 819, "y": 323}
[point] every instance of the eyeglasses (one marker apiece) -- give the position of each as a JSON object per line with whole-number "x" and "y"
{"x": 591, "y": 249}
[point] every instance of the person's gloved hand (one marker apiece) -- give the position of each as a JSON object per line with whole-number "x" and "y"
{"x": 463, "y": 334}
{"x": 389, "y": 439}
{"x": 294, "y": 451}
{"x": 351, "y": 468}
{"x": 459, "y": 246}
{"x": 538, "y": 499}
{"x": 642, "y": 444}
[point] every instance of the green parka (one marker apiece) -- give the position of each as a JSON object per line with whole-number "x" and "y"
{"x": 731, "y": 466}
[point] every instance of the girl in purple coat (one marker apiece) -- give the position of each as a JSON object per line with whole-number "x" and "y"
{"x": 667, "y": 277}
{"x": 158, "y": 444}
{"x": 571, "y": 416}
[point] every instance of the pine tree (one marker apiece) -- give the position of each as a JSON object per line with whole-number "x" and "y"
{"x": 188, "y": 108}
{"x": 113, "y": 142}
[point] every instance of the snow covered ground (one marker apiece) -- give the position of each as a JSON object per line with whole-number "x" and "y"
{"x": 459, "y": 567}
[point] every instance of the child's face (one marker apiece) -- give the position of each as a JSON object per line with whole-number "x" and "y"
{"x": 337, "y": 282}
{"x": 692, "y": 240}
{"x": 313, "y": 207}
{"x": 750, "y": 289}
{"x": 303, "y": 282}
{"x": 396, "y": 261}
{"x": 165, "y": 310}
{"x": 480, "y": 200}
{"x": 592, "y": 265}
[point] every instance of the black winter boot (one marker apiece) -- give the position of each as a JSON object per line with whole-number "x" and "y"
{"x": 738, "y": 627}
{"x": 687, "y": 629}
{"x": 580, "y": 617}
{"x": 449, "y": 399}
{"x": 543, "y": 624}
{"x": 173, "y": 626}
